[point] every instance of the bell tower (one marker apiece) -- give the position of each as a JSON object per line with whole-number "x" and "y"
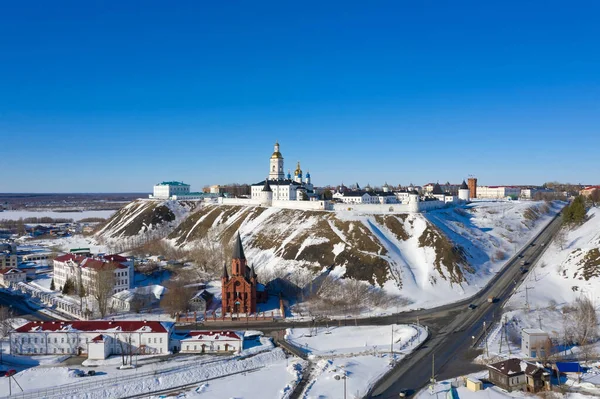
{"x": 276, "y": 164}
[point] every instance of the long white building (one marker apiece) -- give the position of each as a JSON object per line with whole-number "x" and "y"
{"x": 97, "y": 339}
{"x": 167, "y": 189}
{"x": 498, "y": 192}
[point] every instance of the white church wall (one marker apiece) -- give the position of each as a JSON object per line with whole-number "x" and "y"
{"x": 372, "y": 208}
{"x": 238, "y": 201}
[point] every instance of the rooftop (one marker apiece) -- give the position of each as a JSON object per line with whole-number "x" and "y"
{"x": 172, "y": 183}
{"x": 95, "y": 325}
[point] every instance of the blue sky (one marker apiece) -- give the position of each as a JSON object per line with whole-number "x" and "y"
{"x": 116, "y": 97}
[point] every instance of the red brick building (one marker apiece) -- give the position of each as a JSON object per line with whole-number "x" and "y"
{"x": 241, "y": 291}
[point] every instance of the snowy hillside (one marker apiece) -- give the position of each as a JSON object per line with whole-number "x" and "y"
{"x": 564, "y": 274}
{"x": 433, "y": 258}
{"x": 156, "y": 218}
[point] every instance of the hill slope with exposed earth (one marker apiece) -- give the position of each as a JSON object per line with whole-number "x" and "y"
{"x": 435, "y": 257}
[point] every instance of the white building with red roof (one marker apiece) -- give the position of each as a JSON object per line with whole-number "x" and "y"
{"x": 77, "y": 267}
{"x": 215, "y": 341}
{"x": 96, "y": 339}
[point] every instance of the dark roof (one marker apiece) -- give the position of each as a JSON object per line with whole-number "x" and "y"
{"x": 238, "y": 249}
{"x": 354, "y": 193}
{"x": 437, "y": 189}
{"x": 225, "y": 274}
{"x": 513, "y": 367}
{"x": 464, "y": 186}
{"x": 266, "y": 187}
{"x": 282, "y": 182}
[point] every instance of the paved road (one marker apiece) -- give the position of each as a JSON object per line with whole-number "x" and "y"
{"x": 452, "y": 336}
{"x": 20, "y": 307}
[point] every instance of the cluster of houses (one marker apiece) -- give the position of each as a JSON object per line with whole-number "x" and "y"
{"x": 99, "y": 339}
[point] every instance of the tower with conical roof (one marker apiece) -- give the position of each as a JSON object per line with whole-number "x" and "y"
{"x": 463, "y": 192}
{"x": 266, "y": 197}
{"x": 276, "y": 164}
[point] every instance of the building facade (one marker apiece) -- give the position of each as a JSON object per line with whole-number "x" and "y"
{"x": 75, "y": 338}
{"x": 8, "y": 256}
{"x": 12, "y": 275}
{"x": 535, "y": 343}
{"x": 239, "y": 292}
{"x": 84, "y": 269}
{"x": 498, "y": 192}
{"x": 472, "y": 183}
{"x": 167, "y": 189}
{"x": 213, "y": 342}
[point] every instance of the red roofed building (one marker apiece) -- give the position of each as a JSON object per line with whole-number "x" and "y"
{"x": 213, "y": 342}
{"x": 96, "y": 338}
{"x": 80, "y": 268}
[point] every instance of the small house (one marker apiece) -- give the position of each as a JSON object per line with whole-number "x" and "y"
{"x": 516, "y": 374}
{"x": 225, "y": 341}
{"x": 535, "y": 343}
{"x": 201, "y": 301}
{"x": 12, "y": 275}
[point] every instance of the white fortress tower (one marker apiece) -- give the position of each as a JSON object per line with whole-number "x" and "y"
{"x": 266, "y": 195}
{"x": 276, "y": 165}
{"x": 413, "y": 202}
{"x": 463, "y": 192}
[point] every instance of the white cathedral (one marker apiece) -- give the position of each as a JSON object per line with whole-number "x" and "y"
{"x": 279, "y": 187}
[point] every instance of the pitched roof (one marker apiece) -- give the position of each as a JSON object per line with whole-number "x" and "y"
{"x": 266, "y": 187}
{"x": 98, "y": 264}
{"x": 95, "y": 325}
{"x": 115, "y": 258}
{"x": 464, "y": 186}
{"x": 238, "y": 249}
{"x": 11, "y": 271}
{"x": 437, "y": 189}
{"x": 513, "y": 367}
{"x": 214, "y": 335}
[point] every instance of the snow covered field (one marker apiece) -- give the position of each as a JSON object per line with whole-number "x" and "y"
{"x": 360, "y": 354}
{"x": 255, "y": 367}
{"x": 76, "y": 216}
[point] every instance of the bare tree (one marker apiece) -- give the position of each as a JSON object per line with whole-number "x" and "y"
{"x": 585, "y": 325}
{"x": 177, "y": 297}
{"x": 101, "y": 287}
{"x": 561, "y": 238}
{"x": 6, "y": 321}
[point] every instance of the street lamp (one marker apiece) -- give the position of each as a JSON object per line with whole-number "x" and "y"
{"x": 338, "y": 377}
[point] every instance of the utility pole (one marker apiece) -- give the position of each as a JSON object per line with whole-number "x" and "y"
{"x": 506, "y": 335}
{"x": 540, "y": 320}
{"x": 432, "y": 384}
{"x": 527, "y": 296}
{"x": 487, "y": 353}
{"x": 392, "y": 343}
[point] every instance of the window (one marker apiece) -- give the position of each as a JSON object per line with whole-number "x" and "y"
{"x": 161, "y": 340}
{"x": 62, "y": 340}
{"x": 55, "y": 340}
{"x": 54, "y": 350}
{"x": 154, "y": 340}
{"x": 29, "y": 340}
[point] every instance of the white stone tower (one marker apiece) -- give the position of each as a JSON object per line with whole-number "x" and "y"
{"x": 463, "y": 192}
{"x": 266, "y": 195}
{"x": 276, "y": 164}
{"x": 413, "y": 202}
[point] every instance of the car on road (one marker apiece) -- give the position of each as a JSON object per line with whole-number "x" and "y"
{"x": 472, "y": 306}
{"x": 91, "y": 372}
{"x": 524, "y": 269}
{"x": 520, "y": 256}
{"x": 524, "y": 263}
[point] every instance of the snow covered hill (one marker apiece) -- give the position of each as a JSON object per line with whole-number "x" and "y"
{"x": 151, "y": 217}
{"x": 431, "y": 258}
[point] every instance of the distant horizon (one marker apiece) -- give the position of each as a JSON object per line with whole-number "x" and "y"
{"x": 393, "y": 92}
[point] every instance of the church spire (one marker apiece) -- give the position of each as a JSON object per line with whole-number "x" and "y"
{"x": 225, "y": 274}
{"x": 238, "y": 250}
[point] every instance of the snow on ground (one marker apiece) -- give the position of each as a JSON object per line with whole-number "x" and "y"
{"x": 361, "y": 354}
{"x": 276, "y": 380}
{"x": 349, "y": 341}
{"x": 65, "y": 244}
{"x": 259, "y": 363}
{"x": 16, "y": 215}
{"x": 554, "y": 282}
